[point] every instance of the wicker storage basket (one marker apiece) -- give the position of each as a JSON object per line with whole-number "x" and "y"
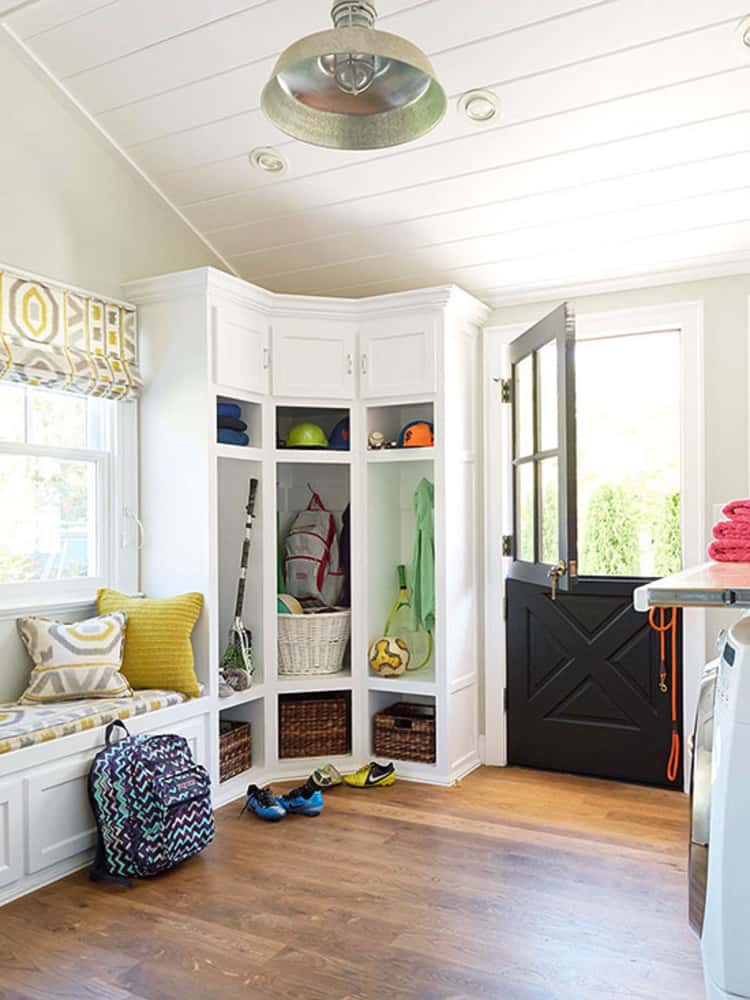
{"x": 235, "y": 749}
{"x": 314, "y": 725}
{"x": 406, "y": 731}
{"x": 313, "y": 643}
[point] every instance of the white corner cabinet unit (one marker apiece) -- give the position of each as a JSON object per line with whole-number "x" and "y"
{"x": 381, "y": 362}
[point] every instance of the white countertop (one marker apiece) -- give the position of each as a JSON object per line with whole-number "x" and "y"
{"x": 712, "y": 584}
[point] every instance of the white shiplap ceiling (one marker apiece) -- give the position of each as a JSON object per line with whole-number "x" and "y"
{"x": 622, "y": 148}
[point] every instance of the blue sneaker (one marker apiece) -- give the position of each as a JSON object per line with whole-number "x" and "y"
{"x": 264, "y": 804}
{"x": 305, "y": 800}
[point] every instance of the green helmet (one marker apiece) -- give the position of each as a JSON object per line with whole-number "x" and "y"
{"x": 306, "y": 436}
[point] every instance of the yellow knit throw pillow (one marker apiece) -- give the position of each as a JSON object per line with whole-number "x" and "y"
{"x": 158, "y": 651}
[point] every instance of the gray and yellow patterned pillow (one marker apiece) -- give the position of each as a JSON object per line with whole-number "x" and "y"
{"x": 77, "y": 660}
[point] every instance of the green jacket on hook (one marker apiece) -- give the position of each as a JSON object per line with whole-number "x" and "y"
{"x": 422, "y": 569}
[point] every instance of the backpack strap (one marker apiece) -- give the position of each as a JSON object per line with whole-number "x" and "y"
{"x": 111, "y": 728}
{"x": 98, "y": 871}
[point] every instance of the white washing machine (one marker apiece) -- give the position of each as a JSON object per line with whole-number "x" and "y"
{"x": 720, "y": 823}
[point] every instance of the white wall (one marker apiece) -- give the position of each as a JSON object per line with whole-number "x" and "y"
{"x": 72, "y": 209}
{"x": 725, "y": 302}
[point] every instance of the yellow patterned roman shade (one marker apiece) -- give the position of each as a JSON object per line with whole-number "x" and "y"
{"x": 65, "y": 339}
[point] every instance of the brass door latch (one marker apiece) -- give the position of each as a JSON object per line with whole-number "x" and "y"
{"x": 554, "y": 573}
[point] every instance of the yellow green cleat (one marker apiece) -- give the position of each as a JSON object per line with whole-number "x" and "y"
{"x": 372, "y": 775}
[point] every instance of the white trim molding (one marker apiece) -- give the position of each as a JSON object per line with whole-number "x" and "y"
{"x": 703, "y": 269}
{"x": 497, "y": 522}
{"x": 207, "y": 280}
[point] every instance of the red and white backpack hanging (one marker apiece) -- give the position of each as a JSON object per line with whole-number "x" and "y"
{"x": 312, "y": 566}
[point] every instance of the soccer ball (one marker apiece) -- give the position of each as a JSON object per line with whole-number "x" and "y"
{"x": 389, "y": 656}
{"x": 288, "y": 605}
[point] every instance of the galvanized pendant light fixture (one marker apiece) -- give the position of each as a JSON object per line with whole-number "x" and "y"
{"x": 353, "y": 87}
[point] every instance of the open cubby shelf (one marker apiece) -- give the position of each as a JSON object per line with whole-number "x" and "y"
{"x": 238, "y": 453}
{"x": 254, "y": 713}
{"x": 399, "y": 455}
{"x": 342, "y": 681}
{"x": 401, "y": 687}
{"x": 326, "y": 418}
{"x": 314, "y": 724}
{"x": 307, "y": 456}
{"x": 232, "y": 493}
{"x": 391, "y": 419}
{"x": 295, "y": 484}
{"x": 391, "y": 536}
{"x": 242, "y": 697}
{"x": 380, "y": 700}
{"x": 251, "y": 414}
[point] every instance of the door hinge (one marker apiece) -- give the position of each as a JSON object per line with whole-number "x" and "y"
{"x": 572, "y": 568}
{"x": 507, "y": 545}
{"x": 505, "y": 607}
{"x": 505, "y": 699}
{"x": 506, "y": 390}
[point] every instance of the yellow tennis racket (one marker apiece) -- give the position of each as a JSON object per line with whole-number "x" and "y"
{"x": 401, "y": 624}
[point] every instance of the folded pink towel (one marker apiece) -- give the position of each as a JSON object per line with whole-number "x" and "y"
{"x": 729, "y": 551}
{"x": 737, "y": 509}
{"x": 732, "y": 531}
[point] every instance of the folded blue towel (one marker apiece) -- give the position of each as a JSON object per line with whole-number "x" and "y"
{"x": 226, "y": 436}
{"x": 228, "y": 410}
{"x": 231, "y": 424}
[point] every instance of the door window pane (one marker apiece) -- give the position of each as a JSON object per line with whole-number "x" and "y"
{"x": 524, "y": 406}
{"x": 550, "y": 499}
{"x": 546, "y": 366}
{"x": 628, "y": 426}
{"x": 12, "y": 418}
{"x": 48, "y": 523}
{"x": 525, "y": 511}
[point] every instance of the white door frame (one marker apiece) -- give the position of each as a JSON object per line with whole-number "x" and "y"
{"x": 687, "y": 317}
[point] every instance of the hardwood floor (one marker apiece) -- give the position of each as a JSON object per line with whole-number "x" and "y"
{"x": 515, "y": 884}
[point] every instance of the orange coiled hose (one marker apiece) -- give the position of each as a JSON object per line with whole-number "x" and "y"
{"x": 663, "y": 628}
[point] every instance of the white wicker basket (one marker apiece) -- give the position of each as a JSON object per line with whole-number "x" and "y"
{"x": 312, "y": 644}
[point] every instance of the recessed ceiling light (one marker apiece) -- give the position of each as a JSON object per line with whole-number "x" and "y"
{"x": 744, "y": 32}
{"x": 268, "y": 159}
{"x": 479, "y": 106}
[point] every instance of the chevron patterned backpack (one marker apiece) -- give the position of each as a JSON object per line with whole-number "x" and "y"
{"x": 152, "y": 805}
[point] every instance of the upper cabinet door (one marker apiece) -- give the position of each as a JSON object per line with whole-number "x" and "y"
{"x": 241, "y": 355}
{"x": 397, "y": 356}
{"x": 313, "y": 358}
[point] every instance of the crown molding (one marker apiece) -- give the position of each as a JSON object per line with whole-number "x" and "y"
{"x": 696, "y": 269}
{"x": 198, "y": 281}
{"x": 205, "y": 280}
{"x": 321, "y": 307}
{"x": 438, "y": 298}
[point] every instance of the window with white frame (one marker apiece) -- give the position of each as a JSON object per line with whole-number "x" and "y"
{"x": 57, "y": 495}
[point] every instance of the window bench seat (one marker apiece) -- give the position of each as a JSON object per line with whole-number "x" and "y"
{"x": 28, "y": 725}
{"x": 46, "y": 826}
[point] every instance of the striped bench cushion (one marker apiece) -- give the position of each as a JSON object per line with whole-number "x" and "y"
{"x": 28, "y": 725}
